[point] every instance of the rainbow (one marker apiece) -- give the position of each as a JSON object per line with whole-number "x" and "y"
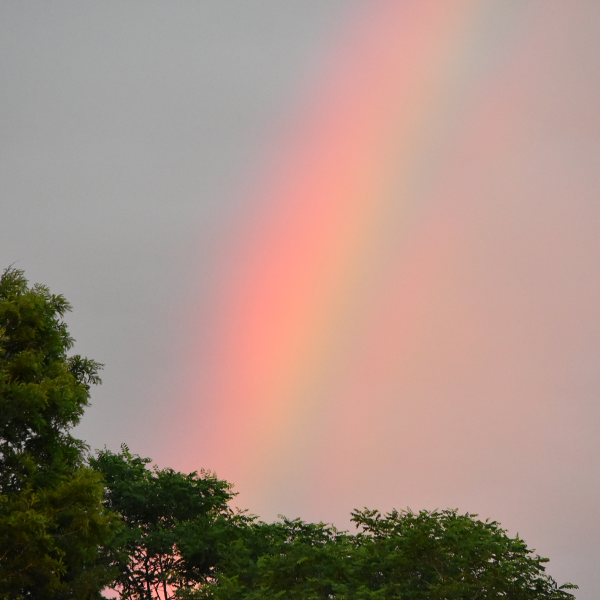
{"x": 327, "y": 278}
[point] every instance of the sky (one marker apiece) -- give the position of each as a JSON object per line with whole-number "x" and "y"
{"x": 342, "y": 253}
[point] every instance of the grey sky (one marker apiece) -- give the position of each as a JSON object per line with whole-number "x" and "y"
{"x": 125, "y": 129}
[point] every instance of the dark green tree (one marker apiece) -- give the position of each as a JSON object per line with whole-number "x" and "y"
{"x": 288, "y": 559}
{"x": 52, "y": 521}
{"x": 443, "y": 555}
{"x": 174, "y": 524}
{"x": 438, "y": 555}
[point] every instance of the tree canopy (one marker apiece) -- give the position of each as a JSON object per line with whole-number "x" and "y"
{"x": 72, "y": 524}
{"x": 173, "y": 522}
{"x": 52, "y": 521}
{"x": 439, "y": 555}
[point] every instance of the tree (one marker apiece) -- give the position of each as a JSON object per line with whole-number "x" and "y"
{"x": 446, "y": 555}
{"x": 439, "y": 555}
{"x": 52, "y": 521}
{"x": 288, "y": 559}
{"x": 69, "y": 527}
{"x": 173, "y": 524}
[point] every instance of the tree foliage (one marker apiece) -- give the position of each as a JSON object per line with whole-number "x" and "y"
{"x": 439, "y": 555}
{"x": 445, "y": 555}
{"x": 287, "y": 559}
{"x": 72, "y": 524}
{"x": 172, "y": 523}
{"x": 52, "y": 522}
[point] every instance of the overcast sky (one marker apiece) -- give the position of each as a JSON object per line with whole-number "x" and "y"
{"x": 127, "y": 128}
